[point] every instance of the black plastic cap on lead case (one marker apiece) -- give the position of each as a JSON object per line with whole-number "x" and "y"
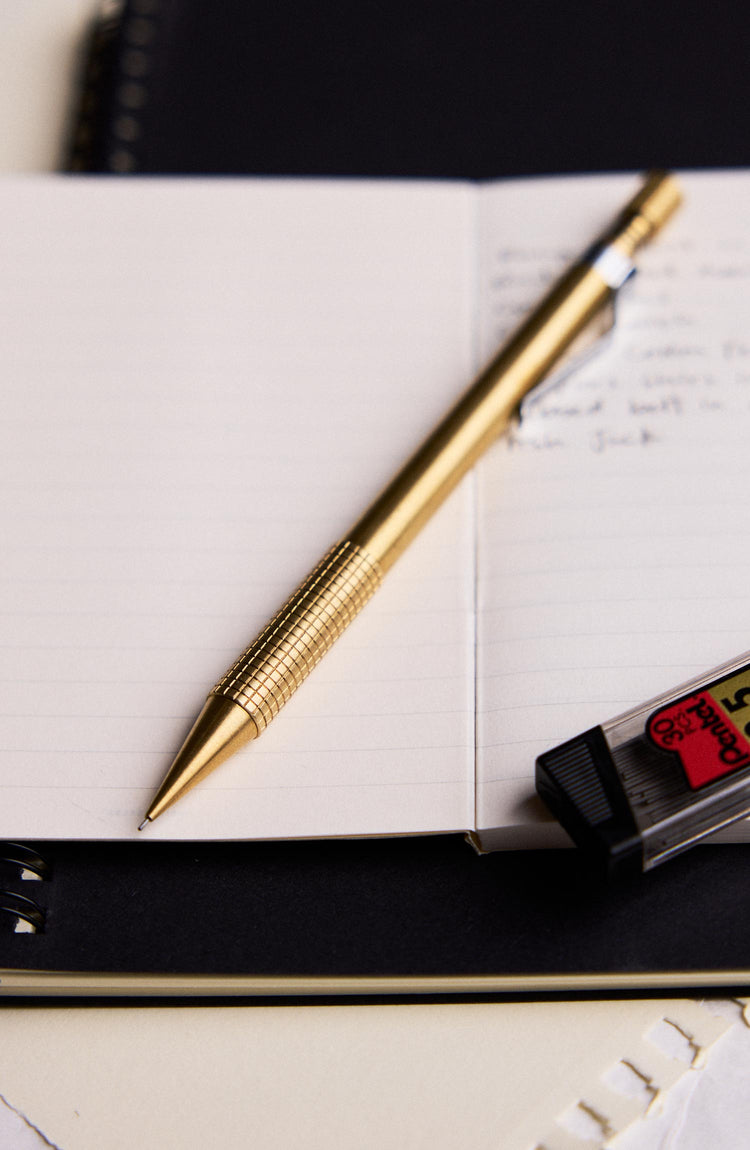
{"x": 579, "y": 784}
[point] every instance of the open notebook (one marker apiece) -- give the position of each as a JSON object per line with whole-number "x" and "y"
{"x": 205, "y": 382}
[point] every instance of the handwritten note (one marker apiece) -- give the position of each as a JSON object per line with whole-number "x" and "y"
{"x": 614, "y": 552}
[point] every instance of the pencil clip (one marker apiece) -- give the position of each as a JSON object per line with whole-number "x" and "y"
{"x": 590, "y": 342}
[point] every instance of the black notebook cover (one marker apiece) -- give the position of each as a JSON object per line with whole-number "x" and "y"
{"x": 430, "y": 88}
{"x": 362, "y": 918}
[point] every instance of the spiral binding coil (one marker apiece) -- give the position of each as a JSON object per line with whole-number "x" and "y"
{"x": 26, "y": 914}
{"x": 115, "y": 87}
{"x": 21, "y": 908}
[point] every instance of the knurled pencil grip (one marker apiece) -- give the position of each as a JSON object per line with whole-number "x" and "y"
{"x": 283, "y": 655}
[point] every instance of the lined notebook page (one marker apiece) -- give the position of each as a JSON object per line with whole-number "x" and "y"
{"x": 205, "y": 384}
{"x": 614, "y": 539}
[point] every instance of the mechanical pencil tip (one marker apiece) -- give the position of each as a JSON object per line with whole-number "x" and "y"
{"x": 146, "y": 820}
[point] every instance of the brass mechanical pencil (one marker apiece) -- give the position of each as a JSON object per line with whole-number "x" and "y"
{"x": 266, "y": 674}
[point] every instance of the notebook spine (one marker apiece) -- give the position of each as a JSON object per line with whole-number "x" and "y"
{"x": 19, "y": 912}
{"x": 114, "y": 88}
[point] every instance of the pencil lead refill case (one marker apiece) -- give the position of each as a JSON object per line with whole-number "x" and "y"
{"x": 657, "y": 779}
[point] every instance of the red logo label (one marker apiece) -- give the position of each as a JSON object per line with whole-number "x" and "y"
{"x": 701, "y": 730}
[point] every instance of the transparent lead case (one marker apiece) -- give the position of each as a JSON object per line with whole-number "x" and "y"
{"x": 653, "y": 781}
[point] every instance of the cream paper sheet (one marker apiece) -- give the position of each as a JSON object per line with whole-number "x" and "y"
{"x": 364, "y": 1077}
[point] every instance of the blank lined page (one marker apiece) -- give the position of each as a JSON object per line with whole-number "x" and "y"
{"x": 614, "y": 540}
{"x": 204, "y": 385}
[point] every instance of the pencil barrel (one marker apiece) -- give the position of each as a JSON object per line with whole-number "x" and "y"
{"x": 278, "y": 661}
